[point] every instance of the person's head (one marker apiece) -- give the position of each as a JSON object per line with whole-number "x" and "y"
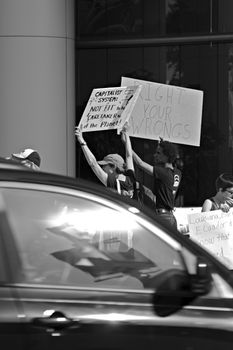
{"x": 29, "y": 158}
{"x": 113, "y": 163}
{"x": 166, "y": 152}
{"x": 224, "y": 185}
{"x": 178, "y": 163}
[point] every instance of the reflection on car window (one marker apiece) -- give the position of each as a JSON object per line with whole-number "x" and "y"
{"x": 66, "y": 239}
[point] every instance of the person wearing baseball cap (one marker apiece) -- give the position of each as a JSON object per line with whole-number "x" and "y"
{"x": 113, "y": 171}
{"x": 29, "y": 158}
{"x": 116, "y": 174}
{"x": 114, "y": 159}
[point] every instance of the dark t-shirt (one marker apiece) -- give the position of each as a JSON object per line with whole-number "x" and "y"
{"x": 127, "y": 182}
{"x": 215, "y": 206}
{"x": 166, "y": 183}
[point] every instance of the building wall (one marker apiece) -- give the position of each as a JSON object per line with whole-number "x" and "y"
{"x": 37, "y": 80}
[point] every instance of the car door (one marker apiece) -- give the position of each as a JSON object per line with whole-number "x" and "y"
{"x": 87, "y": 274}
{"x": 11, "y": 328}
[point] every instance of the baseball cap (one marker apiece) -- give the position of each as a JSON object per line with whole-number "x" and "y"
{"x": 30, "y": 154}
{"x": 115, "y": 159}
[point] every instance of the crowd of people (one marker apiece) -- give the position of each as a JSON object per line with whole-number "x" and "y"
{"x": 118, "y": 175}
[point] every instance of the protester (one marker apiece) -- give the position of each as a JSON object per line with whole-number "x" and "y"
{"x": 223, "y": 197}
{"x": 166, "y": 179}
{"x": 28, "y": 157}
{"x": 112, "y": 171}
{"x": 117, "y": 175}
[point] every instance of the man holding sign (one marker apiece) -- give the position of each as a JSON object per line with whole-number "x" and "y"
{"x": 166, "y": 179}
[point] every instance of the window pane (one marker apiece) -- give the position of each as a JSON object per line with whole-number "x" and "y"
{"x": 68, "y": 240}
{"x": 189, "y": 16}
{"x": 111, "y": 19}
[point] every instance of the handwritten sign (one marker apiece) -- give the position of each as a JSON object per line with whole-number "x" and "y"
{"x": 213, "y": 230}
{"x": 109, "y": 108}
{"x": 181, "y": 215}
{"x": 171, "y": 112}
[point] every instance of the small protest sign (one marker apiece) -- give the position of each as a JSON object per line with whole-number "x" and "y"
{"x": 109, "y": 108}
{"x": 171, "y": 112}
{"x": 213, "y": 230}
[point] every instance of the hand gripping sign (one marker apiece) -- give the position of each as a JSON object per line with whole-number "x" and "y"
{"x": 109, "y": 108}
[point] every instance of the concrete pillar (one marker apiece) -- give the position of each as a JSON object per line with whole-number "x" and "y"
{"x": 37, "y": 79}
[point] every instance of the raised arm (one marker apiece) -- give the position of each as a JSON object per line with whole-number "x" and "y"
{"x": 91, "y": 160}
{"x": 142, "y": 165}
{"x": 131, "y": 156}
{"x": 128, "y": 147}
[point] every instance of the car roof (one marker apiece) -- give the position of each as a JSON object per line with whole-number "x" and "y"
{"x": 6, "y": 163}
{"x": 39, "y": 177}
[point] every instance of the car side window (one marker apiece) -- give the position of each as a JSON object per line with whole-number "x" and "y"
{"x": 75, "y": 239}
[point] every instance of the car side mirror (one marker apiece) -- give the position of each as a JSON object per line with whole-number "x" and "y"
{"x": 176, "y": 288}
{"x": 172, "y": 292}
{"x": 201, "y": 281}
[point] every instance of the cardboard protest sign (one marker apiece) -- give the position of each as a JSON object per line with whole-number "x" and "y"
{"x": 213, "y": 230}
{"x": 181, "y": 215}
{"x": 171, "y": 112}
{"x": 109, "y": 108}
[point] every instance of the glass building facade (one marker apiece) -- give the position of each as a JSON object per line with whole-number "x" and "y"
{"x": 187, "y": 43}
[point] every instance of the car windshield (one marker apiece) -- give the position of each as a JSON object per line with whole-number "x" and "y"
{"x": 76, "y": 239}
